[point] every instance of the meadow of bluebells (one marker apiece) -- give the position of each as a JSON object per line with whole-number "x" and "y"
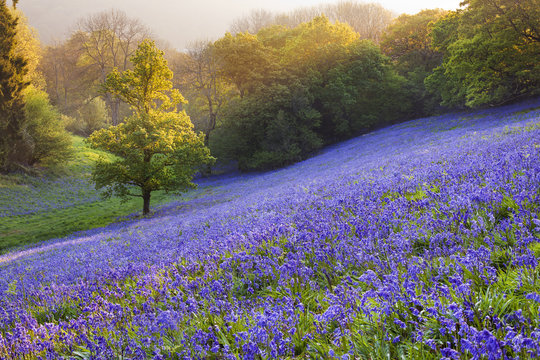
{"x": 416, "y": 241}
{"x": 28, "y": 198}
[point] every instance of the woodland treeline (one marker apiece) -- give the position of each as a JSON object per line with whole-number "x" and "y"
{"x": 278, "y": 87}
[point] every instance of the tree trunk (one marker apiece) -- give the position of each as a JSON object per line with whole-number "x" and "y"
{"x": 115, "y": 111}
{"x": 206, "y": 170}
{"x": 146, "y": 201}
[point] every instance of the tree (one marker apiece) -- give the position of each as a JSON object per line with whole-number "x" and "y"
{"x": 491, "y": 50}
{"x": 70, "y": 82}
{"x": 407, "y": 42}
{"x": 13, "y": 70}
{"x": 47, "y": 140}
{"x": 324, "y": 85}
{"x": 272, "y": 127}
{"x": 156, "y": 148}
{"x": 200, "y": 75}
{"x": 29, "y": 48}
{"x": 244, "y": 60}
{"x": 318, "y": 44}
{"x": 368, "y": 19}
{"x": 111, "y": 37}
{"x": 252, "y": 23}
{"x": 360, "y": 92}
{"x": 32, "y": 132}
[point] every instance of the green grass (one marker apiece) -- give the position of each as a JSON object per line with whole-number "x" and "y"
{"x": 21, "y": 230}
{"x": 18, "y": 231}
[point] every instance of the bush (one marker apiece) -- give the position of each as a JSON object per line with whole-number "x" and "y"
{"x": 73, "y": 125}
{"x": 271, "y": 128}
{"x": 44, "y": 132}
{"x": 91, "y": 116}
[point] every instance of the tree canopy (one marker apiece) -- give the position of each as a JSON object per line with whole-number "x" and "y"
{"x": 491, "y": 51}
{"x": 407, "y": 42}
{"x": 32, "y": 133}
{"x": 278, "y": 87}
{"x": 308, "y": 86}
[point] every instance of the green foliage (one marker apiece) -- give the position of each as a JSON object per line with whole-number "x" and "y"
{"x": 490, "y": 53}
{"x": 245, "y": 61}
{"x": 408, "y": 43}
{"x": 318, "y": 84}
{"x": 317, "y": 45}
{"x": 32, "y": 132}
{"x": 13, "y": 149}
{"x": 44, "y": 132}
{"x": 91, "y": 116}
{"x": 78, "y": 215}
{"x": 361, "y": 93}
{"x": 201, "y": 77}
{"x": 70, "y": 81}
{"x": 156, "y": 148}
{"x": 269, "y": 134}
{"x": 29, "y": 48}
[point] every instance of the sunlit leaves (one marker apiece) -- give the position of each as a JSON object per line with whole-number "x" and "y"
{"x": 156, "y": 147}
{"x": 490, "y": 53}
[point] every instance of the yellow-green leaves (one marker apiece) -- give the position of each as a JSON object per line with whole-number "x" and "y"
{"x": 156, "y": 147}
{"x": 148, "y": 87}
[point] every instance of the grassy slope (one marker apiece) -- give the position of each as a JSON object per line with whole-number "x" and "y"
{"x": 21, "y": 230}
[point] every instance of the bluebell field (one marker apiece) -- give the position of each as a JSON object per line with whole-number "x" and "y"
{"x": 418, "y": 241}
{"x": 61, "y": 193}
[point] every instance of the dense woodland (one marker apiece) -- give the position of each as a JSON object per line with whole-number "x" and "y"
{"x": 276, "y": 87}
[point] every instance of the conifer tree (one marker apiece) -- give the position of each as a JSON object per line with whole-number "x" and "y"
{"x": 13, "y": 149}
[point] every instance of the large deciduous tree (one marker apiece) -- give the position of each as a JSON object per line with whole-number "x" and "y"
{"x": 199, "y": 75}
{"x": 70, "y": 82}
{"x": 368, "y": 19}
{"x": 31, "y": 132}
{"x": 244, "y": 60}
{"x": 29, "y": 48}
{"x": 156, "y": 148}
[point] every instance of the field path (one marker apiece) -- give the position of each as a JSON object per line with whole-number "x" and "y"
{"x": 40, "y": 249}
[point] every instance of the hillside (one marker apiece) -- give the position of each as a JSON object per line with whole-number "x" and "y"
{"x": 34, "y": 209}
{"x": 420, "y": 240}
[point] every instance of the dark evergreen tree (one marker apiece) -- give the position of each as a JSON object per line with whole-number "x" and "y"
{"x": 13, "y": 148}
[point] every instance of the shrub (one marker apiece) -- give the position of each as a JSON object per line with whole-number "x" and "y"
{"x": 44, "y": 132}
{"x": 93, "y": 115}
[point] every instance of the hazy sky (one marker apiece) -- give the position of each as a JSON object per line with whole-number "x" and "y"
{"x": 181, "y": 21}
